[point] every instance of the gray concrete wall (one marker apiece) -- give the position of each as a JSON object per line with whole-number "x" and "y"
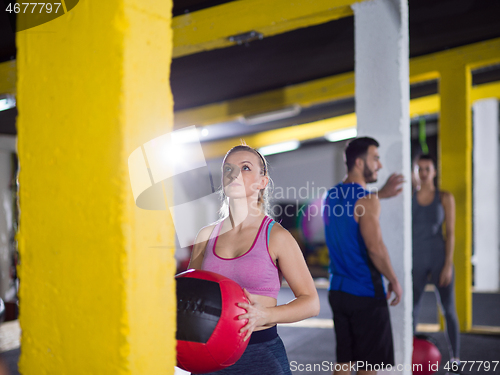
{"x": 485, "y": 195}
{"x": 382, "y": 109}
{"x": 7, "y": 147}
{"x": 302, "y": 174}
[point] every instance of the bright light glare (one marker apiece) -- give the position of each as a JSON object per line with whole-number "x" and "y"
{"x": 177, "y": 152}
{"x": 279, "y": 147}
{"x": 204, "y": 132}
{"x": 7, "y": 102}
{"x": 341, "y": 135}
{"x": 186, "y": 135}
{"x": 279, "y": 114}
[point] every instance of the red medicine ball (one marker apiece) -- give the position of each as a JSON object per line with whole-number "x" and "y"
{"x": 426, "y": 355}
{"x": 208, "y": 329}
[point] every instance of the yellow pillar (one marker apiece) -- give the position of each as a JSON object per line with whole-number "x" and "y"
{"x": 97, "y": 290}
{"x": 455, "y": 140}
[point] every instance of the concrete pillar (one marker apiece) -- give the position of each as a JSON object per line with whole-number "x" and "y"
{"x": 486, "y": 198}
{"x": 7, "y": 147}
{"x": 97, "y": 292}
{"x": 5, "y": 222}
{"x": 382, "y": 109}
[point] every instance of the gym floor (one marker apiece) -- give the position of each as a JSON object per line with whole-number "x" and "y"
{"x": 316, "y": 343}
{"x": 313, "y": 341}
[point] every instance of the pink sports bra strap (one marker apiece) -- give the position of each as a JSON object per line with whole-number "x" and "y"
{"x": 213, "y": 236}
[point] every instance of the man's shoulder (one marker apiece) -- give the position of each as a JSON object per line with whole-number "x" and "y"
{"x": 368, "y": 206}
{"x": 347, "y": 190}
{"x": 369, "y": 200}
{"x": 335, "y": 187}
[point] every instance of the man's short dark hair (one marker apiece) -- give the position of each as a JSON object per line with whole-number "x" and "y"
{"x": 358, "y": 148}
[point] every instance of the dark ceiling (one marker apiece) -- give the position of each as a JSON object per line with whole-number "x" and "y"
{"x": 305, "y": 54}
{"x": 7, "y": 38}
{"x": 320, "y": 51}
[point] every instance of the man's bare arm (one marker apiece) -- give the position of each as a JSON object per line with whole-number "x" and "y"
{"x": 367, "y": 213}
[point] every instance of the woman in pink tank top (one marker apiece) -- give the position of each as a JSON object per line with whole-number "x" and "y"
{"x": 250, "y": 248}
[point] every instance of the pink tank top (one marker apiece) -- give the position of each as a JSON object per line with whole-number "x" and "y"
{"x": 255, "y": 270}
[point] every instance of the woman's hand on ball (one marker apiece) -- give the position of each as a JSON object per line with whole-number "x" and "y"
{"x": 257, "y": 314}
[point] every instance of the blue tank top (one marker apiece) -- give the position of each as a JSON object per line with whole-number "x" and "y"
{"x": 351, "y": 269}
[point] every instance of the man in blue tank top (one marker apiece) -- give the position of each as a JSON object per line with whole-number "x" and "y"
{"x": 358, "y": 259}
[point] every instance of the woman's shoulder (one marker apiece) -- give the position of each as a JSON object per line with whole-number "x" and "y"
{"x": 205, "y": 232}
{"x": 279, "y": 234}
{"x": 443, "y": 194}
{"x": 446, "y": 197}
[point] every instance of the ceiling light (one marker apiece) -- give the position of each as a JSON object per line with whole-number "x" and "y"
{"x": 185, "y": 135}
{"x": 279, "y": 114}
{"x": 341, "y": 135}
{"x": 246, "y": 37}
{"x": 279, "y": 148}
{"x": 204, "y": 132}
{"x": 7, "y": 102}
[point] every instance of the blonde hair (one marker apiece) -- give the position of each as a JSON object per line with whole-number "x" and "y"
{"x": 264, "y": 194}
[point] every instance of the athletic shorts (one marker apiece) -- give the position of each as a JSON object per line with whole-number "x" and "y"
{"x": 363, "y": 329}
{"x": 265, "y": 354}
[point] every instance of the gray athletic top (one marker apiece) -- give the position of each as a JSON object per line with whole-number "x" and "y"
{"x": 427, "y": 226}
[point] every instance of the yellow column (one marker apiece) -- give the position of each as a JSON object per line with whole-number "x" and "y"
{"x": 97, "y": 290}
{"x": 455, "y": 140}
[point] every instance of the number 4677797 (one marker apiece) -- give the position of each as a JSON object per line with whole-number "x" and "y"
{"x": 471, "y": 365}
{"x": 27, "y": 7}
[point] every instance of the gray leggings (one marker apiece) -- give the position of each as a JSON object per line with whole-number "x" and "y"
{"x": 262, "y": 356}
{"x": 429, "y": 272}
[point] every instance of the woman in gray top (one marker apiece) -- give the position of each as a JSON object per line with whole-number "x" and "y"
{"x": 433, "y": 252}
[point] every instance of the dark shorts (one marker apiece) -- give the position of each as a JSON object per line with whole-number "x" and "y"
{"x": 363, "y": 329}
{"x": 265, "y": 354}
